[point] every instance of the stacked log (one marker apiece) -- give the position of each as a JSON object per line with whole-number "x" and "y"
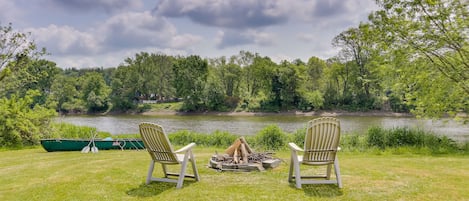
{"x": 239, "y": 151}
{"x": 241, "y": 157}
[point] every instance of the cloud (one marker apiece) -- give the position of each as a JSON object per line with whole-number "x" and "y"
{"x": 62, "y": 40}
{"x": 108, "y": 6}
{"x": 233, "y": 38}
{"x": 8, "y": 12}
{"x": 123, "y": 31}
{"x": 306, "y": 37}
{"x": 142, "y": 29}
{"x": 107, "y": 59}
{"x": 329, "y": 8}
{"x": 250, "y": 14}
{"x": 222, "y": 13}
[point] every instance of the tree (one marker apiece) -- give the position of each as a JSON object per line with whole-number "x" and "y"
{"x": 359, "y": 45}
{"x": 95, "y": 92}
{"x": 65, "y": 94}
{"x": 13, "y": 47}
{"x": 229, "y": 73}
{"x": 285, "y": 85}
{"x": 43, "y": 74}
{"x": 436, "y": 31}
{"x": 124, "y": 93}
{"x": 190, "y": 75}
{"x": 315, "y": 69}
{"x": 154, "y": 75}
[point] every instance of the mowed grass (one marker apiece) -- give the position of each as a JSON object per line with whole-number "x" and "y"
{"x": 34, "y": 174}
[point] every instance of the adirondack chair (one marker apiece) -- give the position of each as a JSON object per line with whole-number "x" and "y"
{"x": 161, "y": 151}
{"x": 320, "y": 148}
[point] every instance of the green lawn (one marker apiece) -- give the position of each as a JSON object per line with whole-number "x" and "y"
{"x": 34, "y": 174}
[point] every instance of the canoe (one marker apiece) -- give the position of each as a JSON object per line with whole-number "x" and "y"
{"x": 51, "y": 145}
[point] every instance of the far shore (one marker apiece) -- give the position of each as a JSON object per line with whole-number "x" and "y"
{"x": 286, "y": 113}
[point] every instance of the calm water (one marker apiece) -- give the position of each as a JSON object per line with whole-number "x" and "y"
{"x": 126, "y": 124}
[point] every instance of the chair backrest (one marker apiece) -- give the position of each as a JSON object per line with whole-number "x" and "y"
{"x": 321, "y": 140}
{"x": 157, "y": 143}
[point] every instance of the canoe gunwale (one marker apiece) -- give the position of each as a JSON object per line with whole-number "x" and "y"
{"x": 64, "y": 144}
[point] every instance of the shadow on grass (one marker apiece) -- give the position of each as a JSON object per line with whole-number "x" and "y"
{"x": 320, "y": 190}
{"x": 154, "y": 188}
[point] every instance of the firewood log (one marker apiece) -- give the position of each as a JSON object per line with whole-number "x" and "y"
{"x": 244, "y": 153}
{"x": 235, "y": 156}
{"x": 230, "y": 151}
{"x": 248, "y": 148}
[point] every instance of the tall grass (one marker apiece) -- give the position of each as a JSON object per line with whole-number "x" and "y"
{"x": 66, "y": 130}
{"x": 272, "y": 138}
{"x": 416, "y": 139}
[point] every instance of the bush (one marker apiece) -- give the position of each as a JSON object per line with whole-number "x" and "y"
{"x": 221, "y": 139}
{"x": 376, "y": 137}
{"x": 298, "y": 137}
{"x": 184, "y": 137}
{"x": 353, "y": 142}
{"x": 21, "y": 122}
{"x": 271, "y": 138}
{"x": 406, "y": 137}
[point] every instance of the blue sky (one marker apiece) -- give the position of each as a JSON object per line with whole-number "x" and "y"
{"x": 102, "y": 33}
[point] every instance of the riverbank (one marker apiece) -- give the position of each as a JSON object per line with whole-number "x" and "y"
{"x": 286, "y": 113}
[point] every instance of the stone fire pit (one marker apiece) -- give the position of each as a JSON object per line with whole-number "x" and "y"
{"x": 240, "y": 157}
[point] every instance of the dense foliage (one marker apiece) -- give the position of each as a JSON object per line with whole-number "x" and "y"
{"x": 22, "y": 123}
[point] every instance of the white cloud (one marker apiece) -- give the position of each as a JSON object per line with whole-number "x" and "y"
{"x": 65, "y": 40}
{"x": 123, "y": 31}
{"x": 108, "y": 6}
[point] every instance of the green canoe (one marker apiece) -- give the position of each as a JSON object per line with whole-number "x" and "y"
{"x": 102, "y": 144}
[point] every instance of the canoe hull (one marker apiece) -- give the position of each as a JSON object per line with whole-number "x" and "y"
{"x": 51, "y": 145}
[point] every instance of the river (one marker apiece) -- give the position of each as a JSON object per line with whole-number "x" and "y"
{"x": 250, "y": 125}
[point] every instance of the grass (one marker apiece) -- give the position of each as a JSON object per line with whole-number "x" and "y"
{"x": 34, "y": 174}
{"x": 168, "y": 107}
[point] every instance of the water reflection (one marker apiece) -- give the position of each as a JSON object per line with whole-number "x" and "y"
{"x": 249, "y": 125}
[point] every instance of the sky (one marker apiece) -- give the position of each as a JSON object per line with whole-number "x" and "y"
{"x": 103, "y": 33}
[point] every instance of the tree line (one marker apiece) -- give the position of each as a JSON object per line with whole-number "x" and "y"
{"x": 246, "y": 81}
{"x": 410, "y": 56}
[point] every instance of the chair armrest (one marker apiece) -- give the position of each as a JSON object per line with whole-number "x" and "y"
{"x": 186, "y": 148}
{"x": 294, "y": 147}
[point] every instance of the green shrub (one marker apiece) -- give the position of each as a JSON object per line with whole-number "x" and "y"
{"x": 376, "y": 137}
{"x": 406, "y": 137}
{"x": 353, "y": 142}
{"x": 221, "y": 139}
{"x": 271, "y": 138}
{"x": 21, "y": 122}
{"x": 298, "y": 137}
{"x": 184, "y": 137}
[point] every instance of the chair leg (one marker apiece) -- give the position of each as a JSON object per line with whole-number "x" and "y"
{"x": 183, "y": 171}
{"x": 165, "y": 171}
{"x": 296, "y": 166}
{"x": 328, "y": 173}
{"x": 150, "y": 172}
{"x": 337, "y": 172}
{"x": 290, "y": 172}
{"x": 194, "y": 167}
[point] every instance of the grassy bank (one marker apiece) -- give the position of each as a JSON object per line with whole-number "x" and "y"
{"x": 34, "y": 174}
